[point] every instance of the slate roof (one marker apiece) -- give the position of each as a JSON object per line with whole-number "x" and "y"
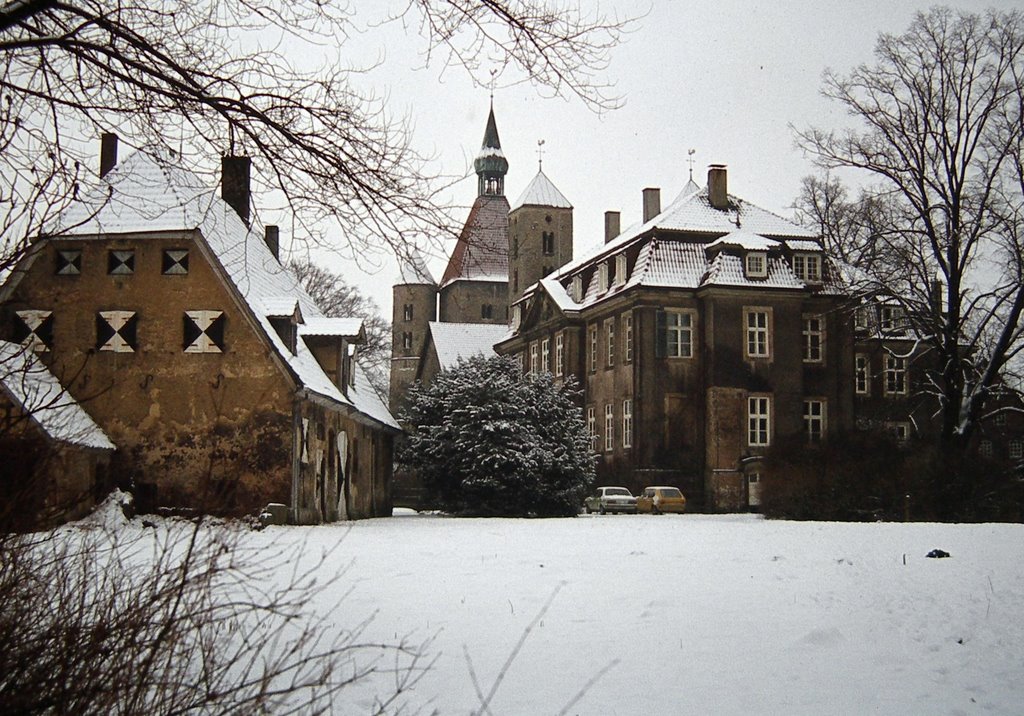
{"x": 481, "y": 253}
{"x": 541, "y": 192}
{"x": 453, "y": 341}
{"x": 32, "y": 387}
{"x": 152, "y": 193}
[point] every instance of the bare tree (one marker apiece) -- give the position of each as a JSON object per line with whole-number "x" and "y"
{"x": 937, "y": 131}
{"x": 338, "y": 299}
{"x": 182, "y": 618}
{"x": 209, "y": 78}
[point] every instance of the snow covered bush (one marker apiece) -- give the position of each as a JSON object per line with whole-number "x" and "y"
{"x": 486, "y": 440}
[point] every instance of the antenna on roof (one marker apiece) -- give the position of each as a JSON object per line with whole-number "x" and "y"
{"x": 691, "y": 152}
{"x": 540, "y": 154}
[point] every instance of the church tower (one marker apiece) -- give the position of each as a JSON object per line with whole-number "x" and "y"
{"x": 474, "y": 288}
{"x": 414, "y": 306}
{"x": 539, "y": 234}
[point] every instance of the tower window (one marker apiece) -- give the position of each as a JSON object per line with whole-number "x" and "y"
{"x": 407, "y": 341}
{"x": 548, "y": 243}
{"x": 407, "y": 312}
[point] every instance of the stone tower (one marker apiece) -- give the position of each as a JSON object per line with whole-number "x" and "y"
{"x": 539, "y": 234}
{"x": 414, "y": 307}
{"x": 474, "y": 288}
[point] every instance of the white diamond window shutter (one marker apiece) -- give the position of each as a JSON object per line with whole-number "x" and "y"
{"x": 116, "y": 331}
{"x": 175, "y": 262}
{"x": 34, "y": 330}
{"x": 69, "y": 262}
{"x": 121, "y": 262}
{"x": 203, "y": 332}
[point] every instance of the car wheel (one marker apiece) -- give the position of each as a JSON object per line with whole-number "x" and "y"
{"x": 655, "y": 510}
{"x": 586, "y": 508}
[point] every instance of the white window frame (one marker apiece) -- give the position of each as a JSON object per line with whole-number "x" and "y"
{"x": 815, "y": 419}
{"x": 627, "y": 423}
{"x": 592, "y": 428}
{"x": 814, "y": 339}
{"x": 609, "y": 427}
{"x": 593, "y": 348}
{"x": 862, "y": 374}
{"x": 627, "y": 330}
{"x": 577, "y": 288}
{"x": 759, "y": 420}
{"x": 861, "y": 316}
{"x": 534, "y": 358}
{"x": 609, "y": 332}
{"x": 895, "y": 372}
{"x": 755, "y": 335}
{"x": 807, "y": 267}
{"x": 545, "y": 355}
{"x": 559, "y": 354}
{"x": 755, "y": 264}
{"x": 620, "y": 269}
{"x": 892, "y": 319}
{"x": 679, "y": 334}
{"x": 602, "y": 277}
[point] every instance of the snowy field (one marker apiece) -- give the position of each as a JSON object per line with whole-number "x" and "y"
{"x": 692, "y": 614}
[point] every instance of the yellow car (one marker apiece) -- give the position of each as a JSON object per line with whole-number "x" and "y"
{"x": 661, "y": 499}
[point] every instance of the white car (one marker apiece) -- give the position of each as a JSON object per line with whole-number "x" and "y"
{"x": 610, "y": 499}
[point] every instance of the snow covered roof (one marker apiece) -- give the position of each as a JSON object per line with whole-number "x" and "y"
{"x": 412, "y": 269}
{"x": 746, "y": 240}
{"x": 279, "y": 306}
{"x": 32, "y": 387}
{"x": 481, "y": 252}
{"x": 541, "y": 192}
{"x": 320, "y": 326}
{"x": 150, "y": 193}
{"x": 453, "y": 341}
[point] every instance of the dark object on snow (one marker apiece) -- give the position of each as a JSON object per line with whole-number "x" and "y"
{"x": 937, "y": 554}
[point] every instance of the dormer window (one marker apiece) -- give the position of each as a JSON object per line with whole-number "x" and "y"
{"x": 602, "y": 277}
{"x": 757, "y": 264}
{"x": 807, "y": 267}
{"x": 577, "y": 288}
{"x": 517, "y": 316}
{"x": 620, "y": 269}
{"x": 892, "y": 319}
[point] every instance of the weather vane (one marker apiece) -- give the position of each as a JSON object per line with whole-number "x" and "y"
{"x": 494, "y": 77}
{"x": 691, "y": 152}
{"x": 540, "y": 154}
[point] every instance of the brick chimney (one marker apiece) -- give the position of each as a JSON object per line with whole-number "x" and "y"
{"x": 272, "y": 238}
{"x": 718, "y": 186}
{"x": 234, "y": 184}
{"x": 612, "y": 221}
{"x": 108, "y": 153}
{"x": 652, "y": 203}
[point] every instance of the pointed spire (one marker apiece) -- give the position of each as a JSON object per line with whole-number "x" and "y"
{"x": 490, "y": 163}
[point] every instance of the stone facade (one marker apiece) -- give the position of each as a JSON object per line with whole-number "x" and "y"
{"x": 204, "y": 361}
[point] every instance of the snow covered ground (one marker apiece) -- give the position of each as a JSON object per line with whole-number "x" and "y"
{"x": 688, "y": 614}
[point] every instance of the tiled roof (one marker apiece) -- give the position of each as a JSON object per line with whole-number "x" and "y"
{"x": 747, "y": 240}
{"x": 482, "y": 249}
{"x": 453, "y": 341}
{"x": 541, "y": 192}
{"x": 150, "y": 193}
{"x": 31, "y": 386}
{"x": 727, "y": 270}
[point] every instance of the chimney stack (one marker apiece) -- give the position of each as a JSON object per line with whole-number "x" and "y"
{"x": 718, "y": 187}
{"x": 612, "y": 221}
{"x": 652, "y": 203}
{"x": 272, "y": 238}
{"x": 234, "y": 185}
{"x": 108, "y": 153}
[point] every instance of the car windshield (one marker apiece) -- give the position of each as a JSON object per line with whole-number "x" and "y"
{"x": 671, "y": 492}
{"x": 618, "y": 491}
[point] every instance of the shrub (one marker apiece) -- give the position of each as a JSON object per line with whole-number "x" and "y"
{"x": 489, "y": 441}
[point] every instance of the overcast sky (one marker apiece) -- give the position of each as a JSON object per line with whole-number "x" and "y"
{"x": 725, "y": 78}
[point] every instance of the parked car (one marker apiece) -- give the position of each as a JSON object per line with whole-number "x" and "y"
{"x": 610, "y": 499}
{"x": 660, "y": 499}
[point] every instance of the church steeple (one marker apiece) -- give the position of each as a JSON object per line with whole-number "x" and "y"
{"x": 490, "y": 163}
